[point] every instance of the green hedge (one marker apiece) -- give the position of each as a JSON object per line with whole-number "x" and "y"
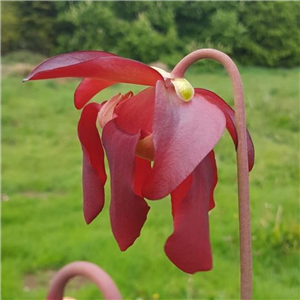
{"x": 254, "y": 33}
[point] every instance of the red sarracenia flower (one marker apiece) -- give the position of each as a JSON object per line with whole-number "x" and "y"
{"x": 170, "y": 124}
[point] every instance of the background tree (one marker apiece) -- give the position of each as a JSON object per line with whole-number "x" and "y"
{"x": 37, "y": 25}
{"x": 254, "y": 33}
{"x": 272, "y": 34}
{"x": 10, "y": 34}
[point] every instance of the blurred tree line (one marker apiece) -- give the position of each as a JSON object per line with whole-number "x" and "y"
{"x": 254, "y": 33}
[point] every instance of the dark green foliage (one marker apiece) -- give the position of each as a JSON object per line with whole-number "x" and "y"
{"x": 10, "y": 34}
{"x": 88, "y": 25}
{"x": 145, "y": 43}
{"x": 198, "y": 21}
{"x": 272, "y": 33}
{"x": 37, "y": 25}
{"x": 135, "y": 33}
{"x": 160, "y": 14}
{"x": 254, "y": 33}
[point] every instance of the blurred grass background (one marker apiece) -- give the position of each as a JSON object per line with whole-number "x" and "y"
{"x": 41, "y": 199}
{"x": 42, "y": 223}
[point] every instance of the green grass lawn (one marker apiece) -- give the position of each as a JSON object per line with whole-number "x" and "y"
{"x": 42, "y": 223}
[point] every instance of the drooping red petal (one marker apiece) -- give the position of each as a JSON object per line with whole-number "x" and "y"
{"x": 93, "y": 175}
{"x": 183, "y": 134}
{"x": 136, "y": 113}
{"x": 128, "y": 212}
{"x": 189, "y": 245}
{"x": 93, "y": 190}
{"x": 95, "y": 64}
{"x": 181, "y": 192}
{"x": 230, "y": 121}
{"x": 52, "y": 66}
{"x": 87, "y": 89}
{"x": 142, "y": 171}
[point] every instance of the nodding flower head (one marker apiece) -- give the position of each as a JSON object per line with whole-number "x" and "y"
{"x": 158, "y": 142}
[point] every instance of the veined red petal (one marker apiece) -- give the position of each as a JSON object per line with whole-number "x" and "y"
{"x": 93, "y": 175}
{"x": 128, "y": 212}
{"x": 87, "y": 89}
{"x": 230, "y": 121}
{"x": 93, "y": 190}
{"x": 136, "y": 113}
{"x": 183, "y": 134}
{"x": 189, "y": 246}
{"x": 52, "y": 65}
{"x": 95, "y": 64}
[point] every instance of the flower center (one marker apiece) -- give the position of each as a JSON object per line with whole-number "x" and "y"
{"x": 145, "y": 148}
{"x": 183, "y": 88}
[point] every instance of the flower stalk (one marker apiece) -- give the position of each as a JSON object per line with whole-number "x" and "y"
{"x": 86, "y": 269}
{"x": 242, "y": 158}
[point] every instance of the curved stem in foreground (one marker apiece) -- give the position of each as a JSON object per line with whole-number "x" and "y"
{"x": 242, "y": 158}
{"x": 81, "y": 268}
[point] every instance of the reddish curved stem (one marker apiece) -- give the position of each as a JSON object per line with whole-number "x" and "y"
{"x": 242, "y": 158}
{"x": 86, "y": 269}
